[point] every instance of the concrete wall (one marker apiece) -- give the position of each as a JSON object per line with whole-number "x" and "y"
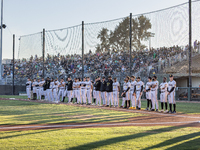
{"x": 7, "y": 89}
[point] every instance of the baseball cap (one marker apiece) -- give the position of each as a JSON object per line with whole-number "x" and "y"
{"x": 138, "y": 77}
{"x": 171, "y": 75}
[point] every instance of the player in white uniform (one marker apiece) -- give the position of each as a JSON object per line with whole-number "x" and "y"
{"x": 148, "y": 92}
{"x": 163, "y": 94}
{"x": 139, "y": 90}
{"x": 83, "y": 90}
{"x": 171, "y": 93}
{"x": 41, "y": 93}
{"x": 70, "y": 89}
{"x": 51, "y": 90}
{"x": 28, "y": 88}
{"x": 78, "y": 91}
{"x": 55, "y": 91}
{"x": 132, "y": 91}
{"x": 66, "y": 91}
{"x": 61, "y": 92}
{"x": 154, "y": 88}
{"x": 126, "y": 93}
{"x": 89, "y": 88}
{"x": 116, "y": 89}
{"x": 38, "y": 89}
{"x": 74, "y": 94}
{"x": 34, "y": 89}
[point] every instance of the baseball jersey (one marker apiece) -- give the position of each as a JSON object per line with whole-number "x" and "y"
{"x": 171, "y": 84}
{"x": 28, "y": 84}
{"x": 139, "y": 86}
{"x": 55, "y": 87}
{"x": 51, "y": 85}
{"x": 103, "y": 86}
{"x": 126, "y": 85}
{"x": 133, "y": 84}
{"x": 62, "y": 85}
{"x": 115, "y": 86}
{"x": 35, "y": 84}
{"x": 148, "y": 84}
{"x": 88, "y": 85}
{"x": 163, "y": 85}
{"x": 83, "y": 84}
{"x": 41, "y": 84}
{"x": 156, "y": 87}
{"x": 75, "y": 85}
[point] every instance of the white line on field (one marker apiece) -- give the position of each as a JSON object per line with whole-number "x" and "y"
{"x": 97, "y": 125}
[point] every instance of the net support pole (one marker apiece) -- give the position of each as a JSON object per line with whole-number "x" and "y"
{"x": 43, "y": 51}
{"x": 130, "y": 34}
{"x": 190, "y": 48}
{"x": 1, "y": 69}
{"x": 82, "y": 49}
{"x": 13, "y": 69}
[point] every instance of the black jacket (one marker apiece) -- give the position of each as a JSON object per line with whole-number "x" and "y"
{"x": 69, "y": 85}
{"x": 109, "y": 86}
{"x": 103, "y": 86}
{"x": 97, "y": 85}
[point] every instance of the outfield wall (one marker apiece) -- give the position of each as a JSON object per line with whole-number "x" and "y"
{"x": 7, "y": 89}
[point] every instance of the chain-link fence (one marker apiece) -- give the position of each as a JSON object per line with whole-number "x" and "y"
{"x": 159, "y": 40}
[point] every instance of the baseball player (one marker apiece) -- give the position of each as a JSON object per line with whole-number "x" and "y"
{"x": 139, "y": 90}
{"x": 83, "y": 90}
{"x": 116, "y": 89}
{"x": 78, "y": 91}
{"x": 74, "y": 94}
{"x": 70, "y": 89}
{"x": 103, "y": 90}
{"x": 34, "y": 89}
{"x": 171, "y": 93}
{"x": 55, "y": 91}
{"x": 132, "y": 91}
{"x": 28, "y": 88}
{"x": 65, "y": 92}
{"x": 38, "y": 88}
{"x": 97, "y": 88}
{"x": 94, "y": 91}
{"x": 51, "y": 90}
{"x": 47, "y": 88}
{"x": 41, "y": 93}
{"x": 109, "y": 91}
{"x": 126, "y": 93}
{"x": 61, "y": 92}
{"x": 163, "y": 94}
{"x": 89, "y": 88}
{"x": 148, "y": 93}
{"x": 154, "y": 88}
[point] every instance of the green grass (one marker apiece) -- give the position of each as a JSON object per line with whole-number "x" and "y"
{"x": 182, "y": 107}
{"x": 116, "y": 138}
{"x": 13, "y": 96}
{"x": 22, "y": 112}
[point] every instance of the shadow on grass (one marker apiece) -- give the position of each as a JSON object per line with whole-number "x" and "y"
{"x": 176, "y": 140}
{"x": 123, "y": 138}
{"x": 18, "y": 135}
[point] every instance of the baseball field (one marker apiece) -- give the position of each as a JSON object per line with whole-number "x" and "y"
{"x": 42, "y": 125}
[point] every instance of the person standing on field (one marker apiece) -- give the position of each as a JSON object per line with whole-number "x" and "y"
{"x": 163, "y": 94}
{"x": 171, "y": 94}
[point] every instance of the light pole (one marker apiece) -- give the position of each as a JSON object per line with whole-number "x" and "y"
{"x": 1, "y": 40}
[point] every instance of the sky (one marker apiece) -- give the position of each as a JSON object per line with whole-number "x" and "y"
{"x": 24, "y": 17}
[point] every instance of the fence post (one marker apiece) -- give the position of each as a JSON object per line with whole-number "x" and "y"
{"x": 190, "y": 41}
{"x": 43, "y": 51}
{"x": 82, "y": 48}
{"x": 130, "y": 40}
{"x": 13, "y": 69}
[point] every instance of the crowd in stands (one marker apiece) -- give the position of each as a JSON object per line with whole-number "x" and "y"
{"x": 112, "y": 63}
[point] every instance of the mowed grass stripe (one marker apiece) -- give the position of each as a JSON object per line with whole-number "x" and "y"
{"x": 14, "y": 112}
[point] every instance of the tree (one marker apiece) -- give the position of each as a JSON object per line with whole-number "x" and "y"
{"x": 104, "y": 38}
{"x": 119, "y": 38}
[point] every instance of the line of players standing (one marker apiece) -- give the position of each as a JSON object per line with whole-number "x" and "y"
{"x": 107, "y": 91}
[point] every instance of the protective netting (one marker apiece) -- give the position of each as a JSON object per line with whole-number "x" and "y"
{"x": 30, "y": 45}
{"x": 159, "y": 40}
